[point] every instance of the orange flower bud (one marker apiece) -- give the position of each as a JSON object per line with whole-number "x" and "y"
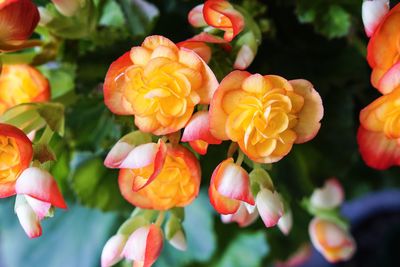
{"x": 383, "y": 48}
{"x": 21, "y": 84}
{"x": 160, "y": 84}
{"x": 218, "y": 14}
{"x": 331, "y": 240}
{"x": 15, "y": 156}
{"x": 18, "y": 19}
{"x": 266, "y": 115}
{"x": 176, "y": 185}
{"x": 379, "y": 133}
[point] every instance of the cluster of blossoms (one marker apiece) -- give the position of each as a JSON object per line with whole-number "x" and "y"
{"x": 175, "y": 97}
{"x": 378, "y": 135}
{"x": 21, "y": 170}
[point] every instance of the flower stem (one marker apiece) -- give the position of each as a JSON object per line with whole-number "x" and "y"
{"x": 160, "y": 218}
{"x": 240, "y": 157}
{"x": 46, "y": 135}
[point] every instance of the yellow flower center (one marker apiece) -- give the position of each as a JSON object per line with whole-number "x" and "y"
{"x": 174, "y": 186}
{"x": 262, "y": 114}
{"x": 9, "y": 159}
{"x": 163, "y": 89}
{"x": 17, "y": 86}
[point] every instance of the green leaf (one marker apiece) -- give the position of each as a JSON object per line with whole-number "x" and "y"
{"x": 95, "y": 185}
{"x": 112, "y": 15}
{"x": 53, "y": 114}
{"x": 61, "y": 78}
{"x": 140, "y": 15}
{"x": 71, "y": 238}
{"x": 247, "y": 250}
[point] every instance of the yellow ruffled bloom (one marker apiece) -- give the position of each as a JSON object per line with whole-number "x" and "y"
{"x": 176, "y": 185}
{"x": 160, "y": 84}
{"x": 266, "y": 115}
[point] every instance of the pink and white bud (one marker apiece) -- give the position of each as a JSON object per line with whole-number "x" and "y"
{"x": 178, "y": 241}
{"x": 244, "y": 58}
{"x": 285, "y": 223}
{"x": 330, "y": 196}
{"x": 373, "y": 11}
{"x": 41, "y": 208}
{"x": 117, "y": 154}
{"x": 39, "y": 184}
{"x": 112, "y": 251}
{"x": 197, "y": 133}
{"x": 196, "y": 18}
{"x": 331, "y": 240}
{"x": 27, "y": 217}
{"x": 68, "y": 7}
{"x": 144, "y": 245}
{"x": 270, "y": 206}
{"x": 243, "y": 217}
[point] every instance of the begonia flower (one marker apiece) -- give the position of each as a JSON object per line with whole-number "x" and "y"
{"x": 265, "y": 115}
{"x": 160, "y": 84}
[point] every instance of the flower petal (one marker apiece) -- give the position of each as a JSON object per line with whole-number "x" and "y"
{"x": 377, "y": 150}
{"x": 372, "y": 14}
{"x": 39, "y": 184}
{"x": 244, "y": 58}
{"x": 27, "y": 217}
{"x": 144, "y": 245}
{"x": 285, "y": 223}
{"x": 195, "y": 17}
{"x": 218, "y": 117}
{"x": 269, "y": 206}
{"x": 391, "y": 80}
{"x": 330, "y": 196}
{"x": 41, "y": 208}
{"x": 113, "y": 94}
{"x": 332, "y": 241}
{"x": 198, "y": 128}
{"x": 112, "y": 250}
{"x": 232, "y": 181}
{"x": 178, "y": 241}
{"x": 117, "y": 154}
{"x": 311, "y": 113}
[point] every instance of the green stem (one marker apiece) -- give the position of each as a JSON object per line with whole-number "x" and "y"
{"x": 240, "y": 157}
{"x": 46, "y": 135}
{"x": 160, "y": 218}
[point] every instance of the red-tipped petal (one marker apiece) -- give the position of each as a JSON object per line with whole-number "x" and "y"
{"x": 195, "y": 17}
{"x": 270, "y": 207}
{"x": 372, "y": 14}
{"x": 113, "y": 95}
{"x": 221, "y": 204}
{"x": 117, "y": 154}
{"x": 232, "y": 181}
{"x": 377, "y": 150}
{"x": 18, "y": 19}
{"x": 391, "y": 80}
{"x": 158, "y": 161}
{"x": 222, "y": 15}
{"x": 39, "y": 184}
{"x": 199, "y": 146}
{"x": 144, "y": 245}
{"x": 198, "y": 128}
{"x": 25, "y": 151}
{"x": 27, "y": 217}
{"x": 201, "y": 48}
{"x": 242, "y": 216}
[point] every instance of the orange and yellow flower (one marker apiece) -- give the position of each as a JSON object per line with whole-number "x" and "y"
{"x": 331, "y": 240}
{"x": 160, "y": 84}
{"x": 176, "y": 185}
{"x": 384, "y": 48}
{"x": 266, "y": 115}
{"x": 18, "y": 20}
{"x": 379, "y": 134}
{"x": 21, "y": 84}
{"x": 15, "y": 156}
{"x": 219, "y": 14}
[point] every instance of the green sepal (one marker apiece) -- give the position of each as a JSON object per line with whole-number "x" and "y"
{"x": 132, "y": 224}
{"x": 172, "y": 226}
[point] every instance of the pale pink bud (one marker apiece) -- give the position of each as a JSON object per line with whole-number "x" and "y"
{"x": 112, "y": 251}
{"x": 373, "y": 11}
